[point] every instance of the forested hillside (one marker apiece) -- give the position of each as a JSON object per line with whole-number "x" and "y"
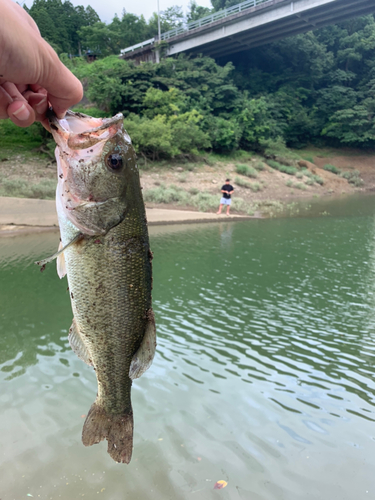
{"x": 317, "y": 87}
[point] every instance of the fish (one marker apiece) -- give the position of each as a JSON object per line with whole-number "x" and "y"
{"x": 105, "y": 253}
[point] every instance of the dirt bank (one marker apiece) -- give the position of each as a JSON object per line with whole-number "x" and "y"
{"x": 34, "y": 176}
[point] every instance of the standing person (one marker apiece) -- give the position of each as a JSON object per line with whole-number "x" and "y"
{"x": 227, "y": 190}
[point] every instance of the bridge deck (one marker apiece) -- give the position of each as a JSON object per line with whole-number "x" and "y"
{"x": 266, "y": 22}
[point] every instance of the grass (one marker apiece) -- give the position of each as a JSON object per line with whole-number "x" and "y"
{"x": 203, "y": 201}
{"x": 296, "y": 185}
{"x": 332, "y": 168}
{"x": 282, "y": 168}
{"x": 253, "y": 186}
{"x": 242, "y": 182}
{"x": 259, "y": 165}
{"x": 309, "y": 158}
{"x": 246, "y": 170}
{"x": 19, "y": 188}
{"x": 21, "y": 139}
{"x": 353, "y": 178}
{"x": 182, "y": 177}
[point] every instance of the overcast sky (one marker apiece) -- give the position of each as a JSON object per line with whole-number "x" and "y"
{"x": 106, "y": 9}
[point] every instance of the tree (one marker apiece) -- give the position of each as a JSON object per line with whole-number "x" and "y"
{"x": 196, "y": 11}
{"x": 60, "y": 22}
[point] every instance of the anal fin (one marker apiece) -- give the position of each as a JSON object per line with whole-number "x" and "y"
{"x": 142, "y": 359}
{"x": 77, "y": 344}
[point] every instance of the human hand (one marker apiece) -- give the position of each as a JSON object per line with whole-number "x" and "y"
{"x": 32, "y": 77}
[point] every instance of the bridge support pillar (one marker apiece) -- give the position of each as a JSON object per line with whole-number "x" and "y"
{"x": 157, "y": 55}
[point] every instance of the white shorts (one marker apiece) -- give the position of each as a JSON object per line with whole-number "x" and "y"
{"x": 225, "y": 201}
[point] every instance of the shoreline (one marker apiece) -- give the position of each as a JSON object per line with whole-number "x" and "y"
{"x": 28, "y": 215}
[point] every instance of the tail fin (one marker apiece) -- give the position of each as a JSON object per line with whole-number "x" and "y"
{"x": 117, "y": 429}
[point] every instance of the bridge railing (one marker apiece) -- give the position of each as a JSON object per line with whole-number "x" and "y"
{"x": 138, "y": 46}
{"x": 221, "y": 14}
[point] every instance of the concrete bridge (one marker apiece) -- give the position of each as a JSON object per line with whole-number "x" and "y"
{"x": 248, "y": 25}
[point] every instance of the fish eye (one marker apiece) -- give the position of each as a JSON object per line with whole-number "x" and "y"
{"x": 114, "y": 162}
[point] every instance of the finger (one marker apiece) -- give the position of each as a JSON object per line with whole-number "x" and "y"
{"x": 5, "y": 100}
{"x": 21, "y": 113}
{"x": 13, "y": 91}
{"x": 38, "y": 89}
{"x": 39, "y": 103}
{"x": 45, "y": 124}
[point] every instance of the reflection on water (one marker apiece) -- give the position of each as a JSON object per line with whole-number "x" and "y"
{"x": 264, "y": 374}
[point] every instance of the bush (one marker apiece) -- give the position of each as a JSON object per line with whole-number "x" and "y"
{"x": 246, "y": 170}
{"x": 19, "y": 188}
{"x": 242, "y": 182}
{"x": 168, "y": 138}
{"x": 259, "y": 165}
{"x": 332, "y": 168}
{"x": 297, "y": 185}
{"x": 248, "y": 185}
{"x": 255, "y": 187}
{"x": 353, "y": 178}
{"x": 318, "y": 179}
{"x": 308, "y": 158}
{"x": 224, "y": 134}
{"x": 282, "y": 168}
{"x": 277, "y": 147}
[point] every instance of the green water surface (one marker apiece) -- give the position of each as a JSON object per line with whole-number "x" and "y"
{"x": 264, "y": 373}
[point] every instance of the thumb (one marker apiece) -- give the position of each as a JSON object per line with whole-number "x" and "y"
{"x": 64, "y": 89}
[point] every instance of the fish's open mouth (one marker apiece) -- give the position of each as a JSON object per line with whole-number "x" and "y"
{"x": 80, "y": 131}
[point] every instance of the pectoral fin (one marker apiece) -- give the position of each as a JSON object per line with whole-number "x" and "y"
{"x": 60, "y": 262}
{"x": 142, "y": 359}
{"x": 77, "y": 344}
{"x": 61, "y": 249}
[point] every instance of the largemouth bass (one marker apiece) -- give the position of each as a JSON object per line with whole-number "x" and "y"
{"x": 105, "y": 253}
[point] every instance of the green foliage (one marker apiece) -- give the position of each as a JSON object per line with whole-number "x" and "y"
{"x": 197, "y": 12}
{"x": 255, "y": 187}
{"x": 296, "y": 185}
{"x": 353, "y": 177}
{"x": 276, "y": 148}
{"x": 317, "y": 87}
{"x": 282, "y": 168}
{"x": 259, "y": 165}
{"x": 20, "y": 188}
{"x": 60, "y": 22}
{"x": 246, "y": 170}
{"x": 309, "y": 158}
{"x": 224, "y": 134}
{"x": 318, "y": 179}
{"x": 164, "y": 137}
{"x": 332, "y": 168}
{"x": 242, "y": 182}
{"x": 24, "y": 138}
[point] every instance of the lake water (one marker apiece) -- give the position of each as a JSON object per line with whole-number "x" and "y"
{"x": 264, "y": 373}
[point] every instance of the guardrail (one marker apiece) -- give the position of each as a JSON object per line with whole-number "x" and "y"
{"x": 138, "y": 46}
{"x": 221, "y": 14}
{"x": 204, "y": 21}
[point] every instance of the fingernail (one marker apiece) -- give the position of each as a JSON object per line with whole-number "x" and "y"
{"x": 41, "y": 104}
{"x": 22, "y": 114}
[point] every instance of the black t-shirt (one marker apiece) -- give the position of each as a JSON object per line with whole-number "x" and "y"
{"x": 229, "y": 188}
